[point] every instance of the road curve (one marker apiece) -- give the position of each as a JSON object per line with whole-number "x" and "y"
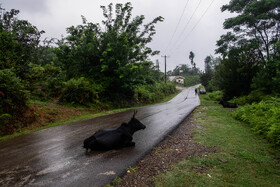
{"x": 55, "y": 157}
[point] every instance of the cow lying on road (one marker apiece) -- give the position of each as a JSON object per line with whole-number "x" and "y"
{"x": 120, "y": 137}
{"x": 227, "y": 104}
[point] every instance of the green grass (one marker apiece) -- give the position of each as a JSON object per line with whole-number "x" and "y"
{"x": 241, "y": 158}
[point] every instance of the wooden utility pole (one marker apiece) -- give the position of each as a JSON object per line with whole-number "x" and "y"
{"x": 165, "y": 67}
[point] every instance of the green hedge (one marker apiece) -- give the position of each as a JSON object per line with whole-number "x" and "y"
{"x": 263, "y": 118}
{"x": 154, "y": 92}
{"x": 79, "y": 92}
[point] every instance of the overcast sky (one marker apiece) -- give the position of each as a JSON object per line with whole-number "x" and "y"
{"x": 198, "y": 28}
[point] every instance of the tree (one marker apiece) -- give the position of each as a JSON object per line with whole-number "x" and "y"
{"x": 207, "y": 64}
{"x": 207, "y": 75}
{"x": 113, "y": 54}
{"x": 258, "y": 20}
{"x": 191, "y": 57}
{"x": 250, "y": 47}
{"x": 19, "y": 41}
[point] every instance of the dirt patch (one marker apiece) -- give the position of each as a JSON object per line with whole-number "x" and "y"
{"x": 39, "y": 115}
{"x": 51, "y": 113}
{"x": 175, "y": 148}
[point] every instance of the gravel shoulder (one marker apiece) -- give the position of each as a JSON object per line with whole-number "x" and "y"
{"x": 175, "y": 148}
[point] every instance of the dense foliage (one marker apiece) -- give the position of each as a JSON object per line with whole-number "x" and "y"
{"x": 13, "y": 96}
{"x": 250, "y": 52}
{"x": 263, "y": 118}
{"x": 115, "y": 56}
{"x": 154, "y": 92}
{"x": 249, "y": 70}
{"x": 95, "y": 64}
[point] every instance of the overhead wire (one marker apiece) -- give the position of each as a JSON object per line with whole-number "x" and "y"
{"x": 187, "y": 24}
{"x": 197, "y": 23}
{"x": 176, "y": 26}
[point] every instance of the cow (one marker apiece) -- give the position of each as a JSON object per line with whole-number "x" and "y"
{"x": 227, "y": 104}
{"x": 107, "y": 139}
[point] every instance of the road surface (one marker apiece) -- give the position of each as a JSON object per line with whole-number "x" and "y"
{"x": 55, "y": 156}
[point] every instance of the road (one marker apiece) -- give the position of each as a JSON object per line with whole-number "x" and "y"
{"x": 55, "y": 156}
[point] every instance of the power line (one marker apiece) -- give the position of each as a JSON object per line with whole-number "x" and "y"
{"x": 198, "y": 21}
{"x": 176, "y": 26}
{"x": 188, "y": 23}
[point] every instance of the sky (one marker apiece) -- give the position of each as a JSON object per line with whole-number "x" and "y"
{"x": 189, "y": 25}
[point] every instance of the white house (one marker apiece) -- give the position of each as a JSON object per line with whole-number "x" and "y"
{"x": 178, "y": 79}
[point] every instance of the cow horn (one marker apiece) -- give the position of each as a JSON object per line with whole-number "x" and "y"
{"x": 135, "y": 111}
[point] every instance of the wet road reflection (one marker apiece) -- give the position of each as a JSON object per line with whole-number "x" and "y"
{"x": 55, "y": 157}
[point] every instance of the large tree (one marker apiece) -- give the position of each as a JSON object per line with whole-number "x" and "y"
{"x": 256, "y": 20}
{"x": 19, "y": 43}
{"x": 251, "y": 46}
{"x": 112, "y": 54}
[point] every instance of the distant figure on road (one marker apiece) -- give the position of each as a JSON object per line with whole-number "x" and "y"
{"x": 195, "y": 91}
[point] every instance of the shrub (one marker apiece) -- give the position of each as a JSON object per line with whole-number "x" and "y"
{"x": 191, "y": 80}
{"x": 154, "y": 92}
{"x": 13, "y": 98}
{"x": 79, "y": 92}
{"x": 215, "y": 96}
{"x": 254, "y": 96}
{"x": 12, "y": 92}
{"x": 45, "y": 81}
{"x": 263, "y": 118}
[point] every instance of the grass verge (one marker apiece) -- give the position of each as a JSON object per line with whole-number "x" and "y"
{"x": 241, "y": 159}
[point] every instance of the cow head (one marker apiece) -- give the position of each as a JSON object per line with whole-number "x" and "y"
{"x": 135, "y": 124}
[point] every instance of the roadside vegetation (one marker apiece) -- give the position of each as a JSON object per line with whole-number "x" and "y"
{"x": 241, "y": 157}
{"x": 247, "y": 72}
{"x": 94, "y": 68}
{"x": 246, "y": 139}
{"x": 249, "y": 53}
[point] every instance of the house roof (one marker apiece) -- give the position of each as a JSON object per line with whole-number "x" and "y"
{"x": 180, "y": 77}
{"x": 171, "y": 78}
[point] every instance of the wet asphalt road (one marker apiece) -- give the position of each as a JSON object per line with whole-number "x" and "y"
{"x": 55, "y": 157}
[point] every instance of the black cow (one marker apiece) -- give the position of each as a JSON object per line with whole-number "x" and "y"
{"x": 227, "y": 104}
{"x": 120, "y": 137}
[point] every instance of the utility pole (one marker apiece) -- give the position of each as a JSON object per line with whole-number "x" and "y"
{"x": 165, "y": 67}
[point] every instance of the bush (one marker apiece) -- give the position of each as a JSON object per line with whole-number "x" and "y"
{"x": 254, "y": 96}
{"x": 191, "y": 80}
{"x": 263, "y": 118}
{"x": 79, "y": 92}
{"x": 12, "y": 92}
{"x": 214, "y": 96}
{"x": 13, "y": 98}
{"x": 154, "y": 92}
{"x": 45, "y": 81}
